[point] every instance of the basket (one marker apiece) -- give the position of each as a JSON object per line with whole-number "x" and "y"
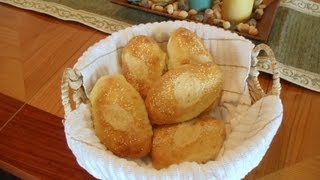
{"x": 251, "y": 115}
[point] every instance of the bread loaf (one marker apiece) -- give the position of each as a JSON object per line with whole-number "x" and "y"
{"x": 183, "y": 93}
{"x": 143, "y": 63}
{"x": 184, "y": 47}
{"x": 198, "y": 140}
{"x": 120, "y": 118}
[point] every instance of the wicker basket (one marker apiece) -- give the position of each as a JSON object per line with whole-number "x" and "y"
{"x": 252, "y": 115}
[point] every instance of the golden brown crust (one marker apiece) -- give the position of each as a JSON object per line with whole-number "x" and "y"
{"x": 120, "y": 117}
{"x": 198, "y": 140}
{"x": 183, "y": 93}
{"x": 143, "y": 62}
{"x": 184, "y": 47}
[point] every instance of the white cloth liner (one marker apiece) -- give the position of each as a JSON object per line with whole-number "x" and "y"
{"x": 251, "y": 127}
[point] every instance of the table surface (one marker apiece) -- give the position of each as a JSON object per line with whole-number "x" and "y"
{"x": 34, "y": 51}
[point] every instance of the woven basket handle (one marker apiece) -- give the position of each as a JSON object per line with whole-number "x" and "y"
{"x": 72, "y": 78}
{"x": 256, "y": 91}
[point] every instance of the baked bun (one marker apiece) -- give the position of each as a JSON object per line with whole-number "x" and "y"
{"x": 143, "y": 62}
{"x": 198, "y": 140}
{"x": 120, "y": 118}
{"x": 183, "y": 93}
{"x": 184, "y": 47}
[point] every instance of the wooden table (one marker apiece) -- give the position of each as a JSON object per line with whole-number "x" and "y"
{"x": 34, "y": 51}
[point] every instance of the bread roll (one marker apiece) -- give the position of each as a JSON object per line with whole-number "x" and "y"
{"x": 143, "y": 62}
{"x": 120, "y": 118}
{"x": 198, "y": 140}
{"x": 184, "y": 47}
{"x": 183, "y": 93}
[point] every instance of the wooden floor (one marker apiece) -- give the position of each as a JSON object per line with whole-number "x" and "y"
{"x": 35, "y": 49}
